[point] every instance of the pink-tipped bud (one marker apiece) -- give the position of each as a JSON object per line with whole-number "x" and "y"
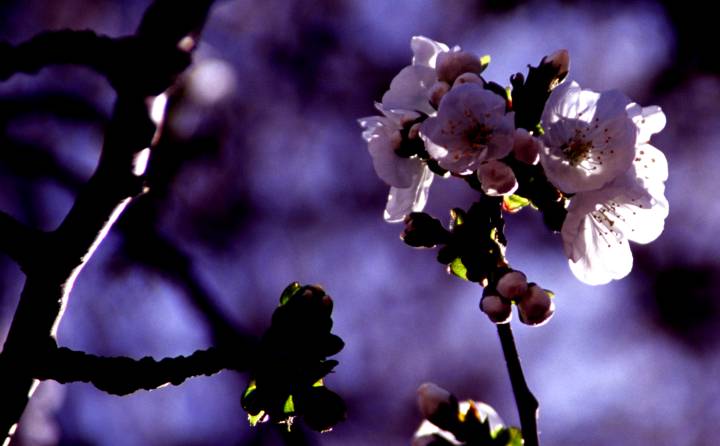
{"x": 438, "y": 406}
{"x": 526, "y": 148}
{"x": 559, "y": 61}
{"x": 499, "y": 310}
{"x": 437, "y": 91}
{"x": 468, "y": 78}
{"x": 512, "y": 285}
{"x": 497, "y": 178}
{"x": 535, "y": 306}
{"x": 450, "y": 65}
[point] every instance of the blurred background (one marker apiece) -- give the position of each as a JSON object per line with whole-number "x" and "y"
{"x": 263, "y": 179}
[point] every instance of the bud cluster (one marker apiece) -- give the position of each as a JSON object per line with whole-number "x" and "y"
{"x": 535, "y": 306}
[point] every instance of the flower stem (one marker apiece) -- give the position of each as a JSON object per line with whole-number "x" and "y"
{"x": 525, "y": 401}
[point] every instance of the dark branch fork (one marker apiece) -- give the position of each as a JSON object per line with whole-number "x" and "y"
{"x": 138, "y": 67}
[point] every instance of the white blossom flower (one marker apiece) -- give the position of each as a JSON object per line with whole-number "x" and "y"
{"x": 589, "y": 137}
{"x": 471, "y": 127}
{"x": 409, "y": 178}
{"x": 497, "y": 178}
{"x": 600, "y": 223}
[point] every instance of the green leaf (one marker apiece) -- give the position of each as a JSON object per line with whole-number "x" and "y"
{"x": 457, "y": 268}
{"x": 289, "y": 292}
{"x": 289, "y": 407}
{"x": 514, "y": 203}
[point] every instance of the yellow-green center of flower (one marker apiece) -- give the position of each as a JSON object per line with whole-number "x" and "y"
{"x": 479, "y": 136}
{"x": 576, "y": 150}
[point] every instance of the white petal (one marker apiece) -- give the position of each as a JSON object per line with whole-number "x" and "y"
{"x": 567, "y": 100}
{"x": 392, "y": 169}
{"x": 595, "y": 256}
{"x": 425, "y": 50}
{"x": 650, "y": 164}
{"x": 403, "y": 201}
{"x": 409, "y": 90}
{"x": 649, "y": 120}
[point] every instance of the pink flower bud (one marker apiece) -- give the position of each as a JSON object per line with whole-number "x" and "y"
{"x": 497, "y": 178}
{"x": 450, "y": 65}
{"x": 526, "y": 148}
{"x": 497, "y": 309}
{"x": 437, "y": 91}
{"x": 438, "y": 406}
{"x": 512, "y": 284}
{"x": 535, "y": 306}
{"x": 560, "y": 62}
{"x": 468, "y": 78}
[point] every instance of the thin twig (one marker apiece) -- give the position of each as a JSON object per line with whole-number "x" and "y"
{"x": 526, "y": 402}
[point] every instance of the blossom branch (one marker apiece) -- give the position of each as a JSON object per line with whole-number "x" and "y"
{"x": 123, "y": 375}
{"x": 526, "y": 402}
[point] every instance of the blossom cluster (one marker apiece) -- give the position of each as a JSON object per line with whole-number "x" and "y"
{"x": 581, "y": 157}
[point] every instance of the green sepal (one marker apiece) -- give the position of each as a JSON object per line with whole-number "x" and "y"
{"x": 289, "y": 292}
{"x": 289, "y": 406}
{"x": 484, "y": 62}
{"x": 514, "y": 203}
{"x": 457, "y": 268}
{"x": 255, "y": 419}
{"x": 510, "y": 436}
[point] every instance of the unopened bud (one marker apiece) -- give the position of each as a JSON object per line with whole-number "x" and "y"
{"x": 512, "y": 284}
{"x": 468, "y": 78}
{"x": 438, "y": 406}
{"x": 450, "y": 65}
{"x": 422, "y": 230}
{"x": 526, "y": 148}
{"x": 499, "y": 310}
{"x": 414, "y": 131}
{"x": 535, "y": 306}
{"x": 497, "y": 178}
{"x": 437, "y": 91}
{"x": 559, "y": 63}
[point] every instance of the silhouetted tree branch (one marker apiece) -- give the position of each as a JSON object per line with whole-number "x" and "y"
{"x": 138, "y": 66}
{"x": 122, "y": 375}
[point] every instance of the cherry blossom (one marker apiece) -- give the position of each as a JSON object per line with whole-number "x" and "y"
{"x": 589, "y": 137}
{"x": 471, "y": 127}
{"x": 409, "y": 178}
{"x": 600, "y": 223}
